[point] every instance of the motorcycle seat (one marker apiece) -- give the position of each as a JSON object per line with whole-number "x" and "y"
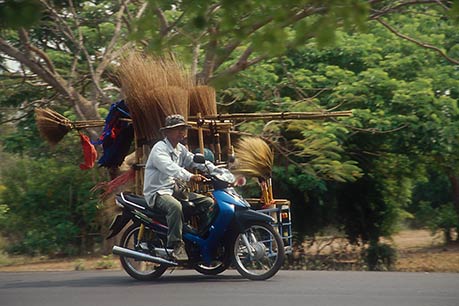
{"x": 152, "y": 212}
{"x": 139, "y": 202}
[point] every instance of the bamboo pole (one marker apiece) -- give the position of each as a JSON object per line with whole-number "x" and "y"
{"x": 276, "y": 116}
{"x": 204, "y": 124}
{"x": 138, "y": 174}
{"x": 200, "y": 135}
{"x": 211, "y": 119}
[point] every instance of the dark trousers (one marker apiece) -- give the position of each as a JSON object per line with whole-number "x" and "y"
{"x": 174, "y": 214}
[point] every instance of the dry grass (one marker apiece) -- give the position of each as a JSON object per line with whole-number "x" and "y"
{"x": 419, "y": 251}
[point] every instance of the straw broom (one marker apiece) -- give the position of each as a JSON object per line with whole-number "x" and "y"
{"x": 202, "y": 100}
{"x": 176, "y": 73}
{"x": 144, "y": 80}
{"x": 51, "y": 125}
{"x": 54, "y": 126}
{"x": 254, "y": 158}
{"x": 171, "y": 100}
{"x": 138, "y": 77}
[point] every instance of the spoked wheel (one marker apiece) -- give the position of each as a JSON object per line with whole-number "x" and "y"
{"x": 217, "y": 266}
{"x": 258, "y": 251}
{"x": 141, "y": 270}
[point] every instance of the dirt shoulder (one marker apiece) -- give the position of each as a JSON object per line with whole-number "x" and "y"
{"x": 24, "y": 264}
{"x": 418, "y": 251}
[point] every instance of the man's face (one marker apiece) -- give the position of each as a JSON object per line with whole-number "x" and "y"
{"x": 176, "y": 134}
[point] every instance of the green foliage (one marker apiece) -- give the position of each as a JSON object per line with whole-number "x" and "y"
{"x": 321, "y": 152}
{"x": 19, "y": 13}
{"x": 442, "y": 218}
{"x": 432, "y": 206}
{"x": 404, "y": 102}
{"x": 3, "y": 210}
{"x": 50, "y": 206}
{"x": 311, "y": 212}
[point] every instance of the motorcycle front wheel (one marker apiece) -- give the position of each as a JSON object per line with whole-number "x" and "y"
{"x": 258, "y": 251}
{"x": 140, "y": 270}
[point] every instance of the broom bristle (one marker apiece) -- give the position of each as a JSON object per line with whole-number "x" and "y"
{"x": 154, "y": 88}
{"x": 176, "y": 73}
{"x": 114, "y": 185}
{"x": 202, "y": 100}
{"x": 163, "y": 101}
{"x": 51, "y": 125}
{"x": 254, "y": 158}
{"x": 172, "y": 100}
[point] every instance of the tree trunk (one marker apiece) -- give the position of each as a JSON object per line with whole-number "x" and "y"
{"x": 454, "y": 180}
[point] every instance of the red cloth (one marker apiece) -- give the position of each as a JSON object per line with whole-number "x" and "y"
{"x": 89, "y": 152}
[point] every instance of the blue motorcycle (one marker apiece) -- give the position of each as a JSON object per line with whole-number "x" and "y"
{"x": 232, "y": 234}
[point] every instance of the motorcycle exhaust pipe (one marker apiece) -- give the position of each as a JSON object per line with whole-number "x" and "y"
{"x": 141, "y": 256}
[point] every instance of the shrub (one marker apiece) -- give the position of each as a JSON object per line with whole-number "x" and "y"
{"x": 380, "y": 257}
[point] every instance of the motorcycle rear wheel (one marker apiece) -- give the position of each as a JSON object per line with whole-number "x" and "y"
{"x": 140, "y": 270}
{"x": 258, "y": 251}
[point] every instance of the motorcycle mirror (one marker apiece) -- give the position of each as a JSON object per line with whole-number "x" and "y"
{"x": 199, "y": 158}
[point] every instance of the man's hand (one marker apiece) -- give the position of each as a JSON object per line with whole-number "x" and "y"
{"x": 197, "y": 178}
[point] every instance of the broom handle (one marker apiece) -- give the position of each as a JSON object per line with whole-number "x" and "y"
{"x": 229, "y": 145}
{"x": 93, "y": 123}
{"x": 218, "y": 148}
{"x": 138, "y": 160}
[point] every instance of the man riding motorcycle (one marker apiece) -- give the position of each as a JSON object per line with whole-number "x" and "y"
{"x": 165, "y": 172}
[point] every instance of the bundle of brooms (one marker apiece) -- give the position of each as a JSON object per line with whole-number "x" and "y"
{"x": 154, "y": 88}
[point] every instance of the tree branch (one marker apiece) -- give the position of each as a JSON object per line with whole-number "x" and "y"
{"x": 82, "y": 47}
{"x": 42, "y": 72}
{"x": 164, "y": 25}
{"x": 25, "y": 40}
{"x": 389, "y": 9}
{"x": 107, "y": 56}
{"x": 243, "y": 62}
{"x": 417, "y": 42}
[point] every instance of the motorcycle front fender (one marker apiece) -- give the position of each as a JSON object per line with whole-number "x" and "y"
{"x": 119, "y": 223}
{"x": 243, "y": 217}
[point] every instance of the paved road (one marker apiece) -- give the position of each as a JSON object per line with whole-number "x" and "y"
{"x": 183, "y": 288}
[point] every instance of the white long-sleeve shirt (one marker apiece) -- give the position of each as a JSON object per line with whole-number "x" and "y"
{"x": 165, "y": 164}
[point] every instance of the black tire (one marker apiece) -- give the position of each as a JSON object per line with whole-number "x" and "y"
{"x": 220, "y": 264}
{"x": 140, "y": 270}
{"x": 267, "y": 251}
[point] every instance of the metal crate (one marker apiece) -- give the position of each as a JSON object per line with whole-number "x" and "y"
{"x": 280, "y": 211}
